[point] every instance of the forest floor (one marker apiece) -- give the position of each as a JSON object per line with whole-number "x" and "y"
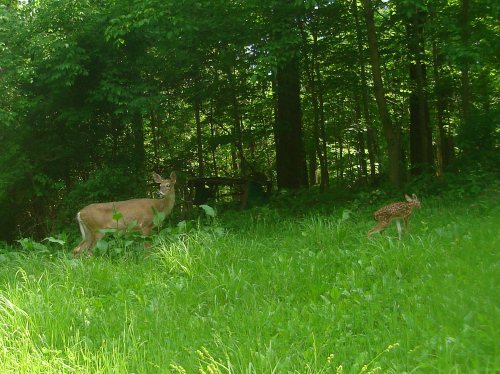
{"x": 266, "y": 292}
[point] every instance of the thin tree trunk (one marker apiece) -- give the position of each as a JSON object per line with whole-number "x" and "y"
{"x": 325, "y": 173}
{"x": 391, "y": 132}
{"x": 370, "y": 137}
{"x": 213, "y": 133}
{"x": 360, "y": 139}
{"x": 340, "y": 166}
{"x": 237, "y": 123}
{"x": 444, "y": 151}
{"x": 313, "y": 75}
{"x": 421, "y": 155}
{"x": 199, "y": 139}
{"x": 465, "y": 35}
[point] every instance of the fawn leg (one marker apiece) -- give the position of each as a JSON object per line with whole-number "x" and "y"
{"x": 407, "y": 225}
{"x": 400, "y": 229}
{"x": 379, "y": 227}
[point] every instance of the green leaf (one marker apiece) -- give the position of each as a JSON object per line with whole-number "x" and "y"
{"x": 102, "y": 245}
{"x": 117, "y": 216}
{"x": 209, "y": 211}
{"x": 54, "y": 240}
{"x": 182, "y": 226}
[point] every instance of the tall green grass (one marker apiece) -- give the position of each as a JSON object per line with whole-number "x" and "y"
{"x": 274, "y": 294}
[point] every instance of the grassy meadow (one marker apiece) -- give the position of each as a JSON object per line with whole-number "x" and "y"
{"x": 268, "y": 291}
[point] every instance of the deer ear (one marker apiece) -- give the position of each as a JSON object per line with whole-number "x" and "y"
{"x": 414, "y": 197}
{"x": 173, "y": 177}
{"x": 408, "y": 198}
{"x": 157, "y": 178}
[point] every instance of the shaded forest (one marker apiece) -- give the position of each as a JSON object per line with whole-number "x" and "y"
{"x": 304, "y": 94}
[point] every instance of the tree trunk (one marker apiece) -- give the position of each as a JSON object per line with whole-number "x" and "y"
{"x": 370, "y": 137}
{"x": 199, "y": 139}
{"x": 465, "y": 35}
{"x": 213, "y": 133}
{"x": 421, "y": 155}
{"x": 445, "y": 151}
{"x": 290, "y": 151}
{"x": 360, "y": 137}
{"x": 391, "y": 132}
{"x": 340, "y": 162}
{"x": 237, "y": 125}
{"x": 313, "y": 75}
{"x": 325, "y": 174}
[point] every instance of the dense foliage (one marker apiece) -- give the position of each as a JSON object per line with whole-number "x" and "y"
{"x": 96, "y": 94}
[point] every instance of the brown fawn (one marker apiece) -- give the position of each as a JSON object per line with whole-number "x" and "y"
{"x": 399, "y": 210}
{"x": 139, "y": 213}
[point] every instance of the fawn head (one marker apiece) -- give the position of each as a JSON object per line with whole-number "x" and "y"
{"x": 413, "y": 200}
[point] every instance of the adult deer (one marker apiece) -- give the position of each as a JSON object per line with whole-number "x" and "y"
{"x": 139, "y": 212}
{"x": 398, "y": 210}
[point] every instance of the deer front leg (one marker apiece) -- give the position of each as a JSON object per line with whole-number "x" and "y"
{"x": 79, "y": 248}
{"x": 146, "y": 231}
{"x": 400, "y": 228}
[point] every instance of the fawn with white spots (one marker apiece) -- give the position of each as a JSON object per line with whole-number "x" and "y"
{"x": 399, "y": 210}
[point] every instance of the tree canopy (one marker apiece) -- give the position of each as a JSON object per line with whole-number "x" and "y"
{"x": 97, "y": 94}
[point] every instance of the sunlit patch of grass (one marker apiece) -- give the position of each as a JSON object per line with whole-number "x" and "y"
{"x": 176, "y": 257}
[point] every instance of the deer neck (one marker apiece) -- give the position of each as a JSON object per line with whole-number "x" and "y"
{"x": 167, "y": 202}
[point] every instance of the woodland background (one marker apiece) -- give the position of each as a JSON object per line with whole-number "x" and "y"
{"x": 312, "y": 94}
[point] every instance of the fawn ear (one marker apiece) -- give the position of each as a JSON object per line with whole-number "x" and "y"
{"x": 173, "y": 177}
{"x": 414, "y": 197}
{"x": 157, "y": 178}
{"x": 408, "y": 198}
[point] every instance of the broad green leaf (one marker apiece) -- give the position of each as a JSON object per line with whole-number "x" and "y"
{"x": 209, "y": 211}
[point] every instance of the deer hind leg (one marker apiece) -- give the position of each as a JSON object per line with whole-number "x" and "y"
{"x": 88, "y": 239}
{"x": 379, "y": 227}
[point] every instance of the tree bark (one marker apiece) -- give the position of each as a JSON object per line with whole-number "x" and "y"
{"x": 363, "y": 166}
{"x": 370, "y": 136}
{"x": 199, "y": 138}
{"x": 290, "y": 151}
{"x": 213, "y": 133}
{"x": 237, "y": 125}
{"x": 421, "y": 155}
{"x": 465, "y": 81}
{"x": 445, "y": 151}
{"x": 317, "y": 151}
{"x": 392, "y": 133}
